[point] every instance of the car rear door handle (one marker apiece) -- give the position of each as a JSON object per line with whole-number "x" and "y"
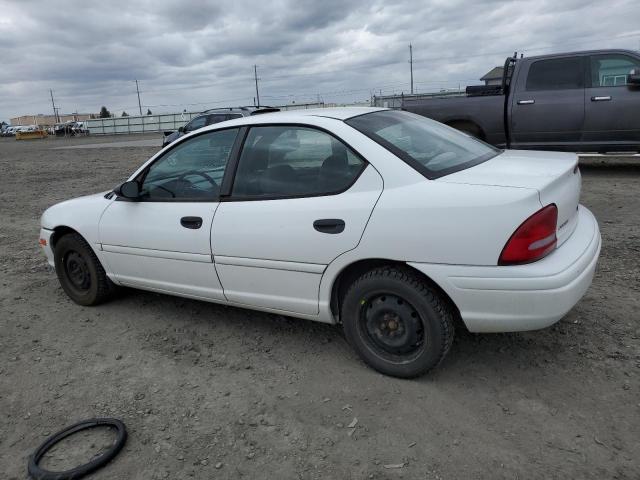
{"x": 601, "y": 99}
{"x": 526, "y": 102}
{"x": 191, "y": 222}
{"x": 329, "y": 225}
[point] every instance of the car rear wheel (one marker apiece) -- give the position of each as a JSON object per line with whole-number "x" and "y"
{"x": 79, "y": 271}
{"x": 396, "y": 322}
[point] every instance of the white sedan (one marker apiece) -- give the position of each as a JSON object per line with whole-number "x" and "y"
{"x": 386, "y": 222}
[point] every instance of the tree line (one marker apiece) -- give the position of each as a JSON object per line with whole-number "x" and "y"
{"x": 105, "y": 113}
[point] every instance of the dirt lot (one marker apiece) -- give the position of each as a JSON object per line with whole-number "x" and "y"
{"x": 214, "y": 392}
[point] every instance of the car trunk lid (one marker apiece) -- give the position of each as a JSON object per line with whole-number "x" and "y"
{"x": 554, "y": 175}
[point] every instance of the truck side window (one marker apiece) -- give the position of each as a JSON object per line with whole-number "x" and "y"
{"x": 611, "y": 70}
{"x": 556, "y": 74}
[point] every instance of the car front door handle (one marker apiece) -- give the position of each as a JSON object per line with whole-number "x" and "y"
{"x": 329, "y": 225}
{"x": 191, "y": 222}
{"x": 601, "y": 99}
{"x": 526, "y": 102}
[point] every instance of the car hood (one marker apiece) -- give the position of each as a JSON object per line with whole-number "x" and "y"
{"x": 172, "y": 137}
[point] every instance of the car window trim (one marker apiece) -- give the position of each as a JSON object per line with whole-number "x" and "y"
{"x": 246, "y": 198}
{"x": 588, "y": 70}
{"x": 214, "y": 199}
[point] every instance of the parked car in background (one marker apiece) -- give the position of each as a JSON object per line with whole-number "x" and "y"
{"x": 384, "y": 221}
{"x": 581, "y": 101}
{"x": 9, "y": 131}
{"x": 210, "y": 117}
{"x": 79, "y": 128}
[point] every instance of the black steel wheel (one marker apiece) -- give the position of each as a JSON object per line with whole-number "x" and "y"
{"x": 392, "y": 325}
{"x": 79, "y": 271}
{"x": 398, "y": 323}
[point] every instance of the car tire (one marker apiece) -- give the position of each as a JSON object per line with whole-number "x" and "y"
{"x": 396, "y": 322}
{"x": 80, "y": 273}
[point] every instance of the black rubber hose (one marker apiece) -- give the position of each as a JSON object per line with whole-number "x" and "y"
{"x": 38, "y": 473}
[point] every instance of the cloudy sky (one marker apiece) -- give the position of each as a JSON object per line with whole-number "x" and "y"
{"x": 196, "y": 55}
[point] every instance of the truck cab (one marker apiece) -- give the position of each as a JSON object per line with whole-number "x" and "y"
{"x": 579, "y": 101}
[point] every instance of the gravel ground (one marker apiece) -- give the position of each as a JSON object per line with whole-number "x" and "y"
{"x": 209, "y": 391}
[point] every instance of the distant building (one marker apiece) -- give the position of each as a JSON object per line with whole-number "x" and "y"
{"x": 49, "y": 120}
{"x": 493, "y": 77}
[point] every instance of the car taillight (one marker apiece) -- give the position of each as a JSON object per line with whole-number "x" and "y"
{"x": 532, "y": 240}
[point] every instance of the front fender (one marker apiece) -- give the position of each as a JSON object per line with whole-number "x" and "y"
{"x": 81, "y": 214}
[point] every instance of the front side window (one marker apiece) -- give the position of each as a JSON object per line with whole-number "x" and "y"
{"x": 556, "y": 74}
{"x": 430, "y": 147}
{"x": 611, "y": 70}
{"x": 192, "y": 170}
{"x": 291, "y": 161}
{"x": 195, "y": 124}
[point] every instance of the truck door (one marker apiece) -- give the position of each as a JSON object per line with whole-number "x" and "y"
{"x": 611, "y": 105}
{"x": 547, "y": 104}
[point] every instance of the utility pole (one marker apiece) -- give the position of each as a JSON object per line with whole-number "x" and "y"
{"x": 255, "y": 76}
{"x": 411, "y": 65}
{"x": 139, "y": 104}
{"x": 55, "y": 110}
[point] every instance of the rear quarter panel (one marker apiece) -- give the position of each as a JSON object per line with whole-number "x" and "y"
{"x": 437, "y": 222}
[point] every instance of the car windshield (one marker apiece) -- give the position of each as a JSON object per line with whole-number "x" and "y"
{"x": 430, "y": 147}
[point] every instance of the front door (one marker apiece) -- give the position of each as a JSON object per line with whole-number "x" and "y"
{"x": 300, "y": 198}
{"x": 547, "y": 106}
{"x": 612, "y": 106}
{"x": 162, "y": 241}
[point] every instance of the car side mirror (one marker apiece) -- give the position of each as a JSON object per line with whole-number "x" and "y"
{"x": 181, "y": 129}
{"x": 130, "y": 189}
{"x": 634, "y": 77}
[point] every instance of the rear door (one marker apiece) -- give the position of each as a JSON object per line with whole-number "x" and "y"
{"x": 300, "y": 198}
{"x": 547, "y": 106}
{"x": 612, "y": 106}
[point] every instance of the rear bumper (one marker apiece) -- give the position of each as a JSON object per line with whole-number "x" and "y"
{"x": 523, "y": 297}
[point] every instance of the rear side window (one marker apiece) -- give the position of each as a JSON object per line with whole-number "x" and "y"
{"x": 221, "y": 117}
{"x": 430, "y": 147}
{"x": 292, "y": 161}
{"x": 195, "y": 124}
{"x": 556, "y": 74}
{"x": 611, "y": 70}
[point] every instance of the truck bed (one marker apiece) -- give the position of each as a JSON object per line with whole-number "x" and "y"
{"x": 485, "y": 110}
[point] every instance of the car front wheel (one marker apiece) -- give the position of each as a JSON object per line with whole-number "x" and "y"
{"x": 79, "y": 271}
{"x": 396, "y": 322}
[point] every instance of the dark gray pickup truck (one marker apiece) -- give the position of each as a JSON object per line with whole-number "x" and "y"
{"x": 581, "y": 101}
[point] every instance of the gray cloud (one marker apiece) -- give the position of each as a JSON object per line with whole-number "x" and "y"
{"x": 197, "y": 55}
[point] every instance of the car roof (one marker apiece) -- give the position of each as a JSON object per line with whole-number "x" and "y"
{"x": 338, "y": 113}
{"x": 301, "y": 116}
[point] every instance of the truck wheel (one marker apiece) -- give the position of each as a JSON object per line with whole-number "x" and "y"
{"x": 396, "y": 322}
{"x": 79, "y": 271}
{"x": 468, "y": 128}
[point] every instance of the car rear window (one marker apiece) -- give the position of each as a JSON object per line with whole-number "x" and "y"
{"x": 432, "y": 148}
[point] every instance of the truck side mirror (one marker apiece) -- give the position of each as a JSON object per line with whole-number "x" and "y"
{"x": 181, "y": 129}
{"x": 634, "y": 77}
